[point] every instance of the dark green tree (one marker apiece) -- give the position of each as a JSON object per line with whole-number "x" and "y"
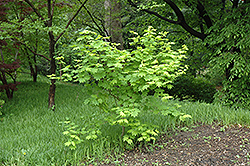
{"x": 221, "y": 27}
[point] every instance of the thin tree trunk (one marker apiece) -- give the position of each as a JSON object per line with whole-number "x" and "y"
{"x": 35, "y": 64}
{"x": 52, "y": 88}
{"x": 8, "y": 92}
{"x": 35, "y": 70}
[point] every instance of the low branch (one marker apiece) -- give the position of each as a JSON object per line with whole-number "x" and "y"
{"x": 77, "y": 12}
{"x": 182, "y": 22}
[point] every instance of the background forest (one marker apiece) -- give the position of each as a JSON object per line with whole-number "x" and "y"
{"x": 84, "y": 79}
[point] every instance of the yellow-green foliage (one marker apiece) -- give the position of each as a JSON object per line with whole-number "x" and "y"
{"x": 128, "y": 76}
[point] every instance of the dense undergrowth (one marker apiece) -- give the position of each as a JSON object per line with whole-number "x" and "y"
{"x": 31, "y": 134}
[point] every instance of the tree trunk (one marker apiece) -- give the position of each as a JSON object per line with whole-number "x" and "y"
{"x": 34, "y": 75}
{"x": 8, "y": 92}
{"x": 35, "y": 64}
{"x": 113, "y": 22}
{"x": 52, "y": 42}
{"x": 52, "y": 89}
{"x": 33, "y": 70}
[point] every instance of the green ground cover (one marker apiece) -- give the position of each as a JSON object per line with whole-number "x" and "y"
{"x": 31, "y": 134}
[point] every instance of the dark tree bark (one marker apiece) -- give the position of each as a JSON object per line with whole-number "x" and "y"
{"x": 3, "y": 78}
{"x": 235, "y": 3}
{"x": 35, "y": 69}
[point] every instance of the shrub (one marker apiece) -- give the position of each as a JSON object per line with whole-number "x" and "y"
{"x": 192, "y": 88}
{"x": 127, "y": 76}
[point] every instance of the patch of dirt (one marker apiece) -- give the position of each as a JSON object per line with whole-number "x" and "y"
{"x": 202, "y": 145}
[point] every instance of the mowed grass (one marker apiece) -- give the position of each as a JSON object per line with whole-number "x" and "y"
{"x": 31, "y": 134}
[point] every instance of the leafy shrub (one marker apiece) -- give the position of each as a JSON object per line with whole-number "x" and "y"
{"x": 192, "y": 88}
{"x": 127, "y": 76}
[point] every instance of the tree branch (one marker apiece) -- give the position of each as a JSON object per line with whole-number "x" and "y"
{"x": 34, "y": 9}
{"x": 182, "y": 22}
{"x": 92, "y": 27}
{"x": 92, "y": 18}
{"x": 33, "y": 51}
{"x": 203, "y": 14}
{"x": 180, "y": 18}
{"x": 152, "y": 12}
{"x": 77, "y": 12}
{"x": 53, "y": 6}
{"x": 103, "y": 27}
{"x": 49, "y": 14}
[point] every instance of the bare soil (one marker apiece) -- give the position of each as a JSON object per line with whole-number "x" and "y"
{"x": 201, "y": 145}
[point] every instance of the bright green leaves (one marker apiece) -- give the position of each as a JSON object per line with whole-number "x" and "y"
{"x": 140, "y": 133}
{"x": 77, "y": 135}
{"x": 155, "y": 59}
{"x": 127, "y": 76}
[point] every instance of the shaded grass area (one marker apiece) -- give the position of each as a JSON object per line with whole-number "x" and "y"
{"x": 30, "y": 133}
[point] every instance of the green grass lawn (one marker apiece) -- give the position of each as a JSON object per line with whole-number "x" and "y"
{"x": 31, "y": 134}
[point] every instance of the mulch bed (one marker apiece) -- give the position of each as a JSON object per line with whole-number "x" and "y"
{"x": 202, "y": 145}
